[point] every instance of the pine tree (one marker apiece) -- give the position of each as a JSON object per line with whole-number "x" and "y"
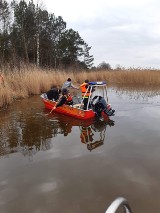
{"x": 88, "y": 59}
{"x": 4, "y": 31}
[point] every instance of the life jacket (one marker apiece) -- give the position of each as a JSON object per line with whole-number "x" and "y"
{"x": 84, "y": 89}
{"x": 69, "y": 100}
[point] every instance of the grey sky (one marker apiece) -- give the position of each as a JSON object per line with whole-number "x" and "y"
{"x": 121, "y": 32}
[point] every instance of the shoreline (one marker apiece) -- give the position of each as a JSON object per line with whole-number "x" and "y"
{"x": 35, "y": 81}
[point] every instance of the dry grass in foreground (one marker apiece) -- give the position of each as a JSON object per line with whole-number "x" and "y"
{"x": 33, "y": 81}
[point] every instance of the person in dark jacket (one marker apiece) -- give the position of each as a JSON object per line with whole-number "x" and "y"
{"x": 53, "y": 94}
{"x": 66, "y": 98}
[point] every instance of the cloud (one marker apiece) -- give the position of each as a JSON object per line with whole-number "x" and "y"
{"x": 120, "y": 31}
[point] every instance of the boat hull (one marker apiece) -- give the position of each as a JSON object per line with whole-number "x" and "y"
{"x": 70, "y": 110}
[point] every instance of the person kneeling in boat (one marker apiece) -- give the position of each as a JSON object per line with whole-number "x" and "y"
{"x": 66, "y": 98}
{"x": 53, "y": 94}
{"x": 100, "y": 105}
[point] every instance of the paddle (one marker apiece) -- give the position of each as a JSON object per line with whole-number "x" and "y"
{"x": 51, "y": 110}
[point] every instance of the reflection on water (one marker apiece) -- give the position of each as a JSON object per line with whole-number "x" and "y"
{"x": 25, "y": 134}
{"x": 124, "y": 158}
{"x": 30, "y": 133}
{"x": 98, "y": 128}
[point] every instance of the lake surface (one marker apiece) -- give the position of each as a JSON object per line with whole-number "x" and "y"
{"x": 54, "y": 163}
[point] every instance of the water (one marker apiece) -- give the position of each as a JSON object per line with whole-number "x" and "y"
{"x": 54, "y": 163}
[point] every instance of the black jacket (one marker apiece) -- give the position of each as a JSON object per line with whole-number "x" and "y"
{"x": 62, "y": 101}
{"x": 53, "y": 94}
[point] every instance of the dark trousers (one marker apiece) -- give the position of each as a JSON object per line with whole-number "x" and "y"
{"x": 85, "y": 101}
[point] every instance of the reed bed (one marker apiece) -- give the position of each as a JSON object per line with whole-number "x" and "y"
{"x": 31, "y": 80}
{"x": 139, "y": 78}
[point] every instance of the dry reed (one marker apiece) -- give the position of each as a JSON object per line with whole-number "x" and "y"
{"x": 33, "y": 81}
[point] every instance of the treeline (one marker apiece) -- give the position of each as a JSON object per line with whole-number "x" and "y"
{"x": 30, "y": 34}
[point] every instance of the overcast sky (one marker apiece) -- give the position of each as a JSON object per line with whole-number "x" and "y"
{"x": 121, "y": 32}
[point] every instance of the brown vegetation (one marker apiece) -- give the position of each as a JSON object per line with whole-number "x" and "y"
{"x": 33, "y": 81}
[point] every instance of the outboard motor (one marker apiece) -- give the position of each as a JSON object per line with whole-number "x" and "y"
{"x": 99, "y": 105}
{"x": 109, "y": 112}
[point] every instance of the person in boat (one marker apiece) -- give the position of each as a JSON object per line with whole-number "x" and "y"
{"x": 68, "y": 84}
{"x": 53, "y": 93}
{"x": 100, "y": 105}
{"x": 86, "y": 93}
{"x": 66, "y": 98}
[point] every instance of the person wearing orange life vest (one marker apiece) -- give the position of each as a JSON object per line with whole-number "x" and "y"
{"x": 66, "y": 98}
{"x": 86, "y": 93}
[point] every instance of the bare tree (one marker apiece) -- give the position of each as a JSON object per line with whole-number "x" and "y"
{"x": 104, "y": 66}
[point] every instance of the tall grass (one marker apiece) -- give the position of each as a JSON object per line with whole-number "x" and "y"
{"x": 33, "y": 81}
